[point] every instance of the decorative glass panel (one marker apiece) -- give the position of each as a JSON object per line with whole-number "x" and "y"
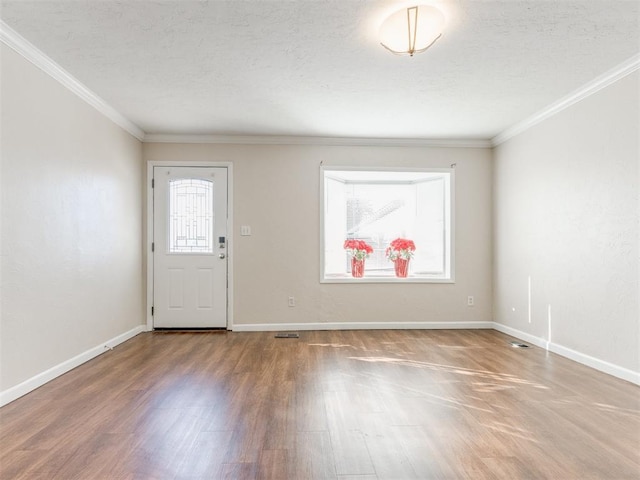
{"x": 191, "y": 216}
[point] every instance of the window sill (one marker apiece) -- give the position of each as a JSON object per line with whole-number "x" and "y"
{"x": 385, "y": 279}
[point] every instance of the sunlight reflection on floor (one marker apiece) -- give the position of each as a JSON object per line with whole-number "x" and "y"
{"x": 511, "y": 431}
{"x": 484, "y": 374}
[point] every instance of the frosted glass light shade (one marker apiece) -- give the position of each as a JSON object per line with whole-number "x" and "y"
{"x": 412, "y": 30}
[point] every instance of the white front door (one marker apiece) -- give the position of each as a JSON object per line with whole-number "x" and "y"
{"x": 190, "y": 247}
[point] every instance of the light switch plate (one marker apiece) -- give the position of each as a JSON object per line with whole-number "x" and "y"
{"x": 245, "y": 230}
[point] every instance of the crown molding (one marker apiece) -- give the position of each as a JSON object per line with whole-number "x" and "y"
{"x": 321, "y": 141}
{"x": 594, "y": 86}
{"x": 22, "y": 46}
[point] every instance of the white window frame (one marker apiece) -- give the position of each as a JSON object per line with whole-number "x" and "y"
{"x": 390, "y": 279}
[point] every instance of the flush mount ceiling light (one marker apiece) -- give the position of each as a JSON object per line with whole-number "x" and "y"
{"x": 412, "y": 30}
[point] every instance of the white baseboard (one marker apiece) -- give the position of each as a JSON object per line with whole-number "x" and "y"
{"x": 279, "y": 327}
{"x": 31, "y": 384}
{"x": 527, "y": 337}
{"x": 589, "y": 361}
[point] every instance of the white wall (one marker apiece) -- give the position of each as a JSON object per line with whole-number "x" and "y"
{"x": 71, "y": 225}
{"x": 566, "y": 213}
{"x": 276, "y": 192}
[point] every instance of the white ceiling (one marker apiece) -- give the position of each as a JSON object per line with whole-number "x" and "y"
{"x": 315, "y": 68}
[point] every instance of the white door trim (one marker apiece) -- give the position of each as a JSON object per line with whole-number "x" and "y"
{"x": 149, "y": 232}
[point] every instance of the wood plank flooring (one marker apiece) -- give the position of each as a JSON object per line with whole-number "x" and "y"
{"x": 343, "y": 405}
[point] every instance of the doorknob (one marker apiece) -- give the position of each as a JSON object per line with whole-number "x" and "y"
{"x": 222, "y": 255}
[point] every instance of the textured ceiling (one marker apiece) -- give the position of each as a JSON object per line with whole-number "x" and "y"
{"x": 315, "y": 68}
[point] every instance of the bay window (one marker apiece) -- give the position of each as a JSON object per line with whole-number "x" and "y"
{"x": 378, "y": 206}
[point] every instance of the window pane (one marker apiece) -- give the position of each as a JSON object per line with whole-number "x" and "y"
{"x": 191, "y": 216}
{"x": 430, "y": 212}
{"x": 378, "y": 213}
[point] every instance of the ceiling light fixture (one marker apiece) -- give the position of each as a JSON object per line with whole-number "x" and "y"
{"x": 412, "y": 30}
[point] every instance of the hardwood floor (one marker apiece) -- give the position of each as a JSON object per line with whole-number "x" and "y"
{"x": 343, "y": 405}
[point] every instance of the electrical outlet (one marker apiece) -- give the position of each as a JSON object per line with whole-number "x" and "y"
{"x": 245, "y": 230}
{"x": 292, "y": 301}
{"x": 470, "y": 301}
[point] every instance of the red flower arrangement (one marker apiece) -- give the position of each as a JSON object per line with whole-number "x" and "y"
{"x": 400, "y": 248}
{"x": 358, "y": 249}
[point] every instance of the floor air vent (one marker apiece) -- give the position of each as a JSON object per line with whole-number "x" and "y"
{"x": 287, "y": 335}
{"x": 519, "y": 345}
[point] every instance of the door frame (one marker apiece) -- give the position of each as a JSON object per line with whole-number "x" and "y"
{"x": 148, "y": 238}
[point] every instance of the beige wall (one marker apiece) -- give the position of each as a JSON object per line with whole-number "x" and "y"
{"x": 276, "y": 192}
{"x": 71, "y": 225}
{"x": 566, "y": 215}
